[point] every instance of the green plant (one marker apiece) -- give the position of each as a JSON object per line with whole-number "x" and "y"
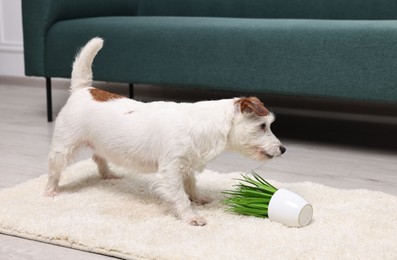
{"x": 250, "y": 197}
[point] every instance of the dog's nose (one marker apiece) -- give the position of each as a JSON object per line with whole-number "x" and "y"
{"x": 282, "y": 149}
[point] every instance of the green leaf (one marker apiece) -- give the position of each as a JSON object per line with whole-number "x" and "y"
{"x": 250, "y": 197}
{"x": 263, "y": 181}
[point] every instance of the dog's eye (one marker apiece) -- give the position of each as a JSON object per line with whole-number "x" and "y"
{"x": 263, "y": 126}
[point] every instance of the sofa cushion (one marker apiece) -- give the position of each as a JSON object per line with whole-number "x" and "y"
{"x": 291, "y": 9}
{"x": 40, "y": 15}
{"x": 352, "y": 59}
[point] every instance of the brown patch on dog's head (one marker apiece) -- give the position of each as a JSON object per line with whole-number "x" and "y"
{"x": 103, "y": 96}
{"x": 252, "y": 104}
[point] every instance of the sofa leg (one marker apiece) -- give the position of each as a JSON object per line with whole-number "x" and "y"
{"x": 49, "y": 99}
{"x": 131, "y": 90}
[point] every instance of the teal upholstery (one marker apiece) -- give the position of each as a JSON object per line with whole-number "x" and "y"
{"x": 309, "y": 47}
{"x": 40, "y": 15}
{"x": 283, "y": 9}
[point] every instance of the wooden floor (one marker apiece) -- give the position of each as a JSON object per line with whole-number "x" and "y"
{"x": 25, "y": 138}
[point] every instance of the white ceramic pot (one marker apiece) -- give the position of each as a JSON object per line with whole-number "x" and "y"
{"x": 289, "y": 209}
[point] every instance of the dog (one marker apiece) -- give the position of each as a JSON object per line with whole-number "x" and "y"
{"x": 174, "y": 140}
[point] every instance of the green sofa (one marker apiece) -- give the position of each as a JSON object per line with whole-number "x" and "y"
{"x": 321, "y": 48}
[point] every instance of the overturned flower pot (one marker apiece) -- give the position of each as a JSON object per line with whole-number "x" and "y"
{"x": 256, "y": 197}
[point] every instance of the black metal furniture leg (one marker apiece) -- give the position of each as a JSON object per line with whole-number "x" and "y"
{"x": 131, "y": 90}
{"x": 49, "y": 99}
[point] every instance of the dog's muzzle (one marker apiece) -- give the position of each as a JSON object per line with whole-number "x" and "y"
{"x": 282, "y": 150}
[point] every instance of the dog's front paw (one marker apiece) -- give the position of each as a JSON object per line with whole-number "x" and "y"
{"x": 193, "y": 219}
{"x": 109, "y": 175}
{"x": 197, "y": 221}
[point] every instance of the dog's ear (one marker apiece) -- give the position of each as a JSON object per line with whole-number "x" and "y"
{"x": 251, "y": 105}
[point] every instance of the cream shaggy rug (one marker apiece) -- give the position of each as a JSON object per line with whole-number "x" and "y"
{"x": 119, "y": 218}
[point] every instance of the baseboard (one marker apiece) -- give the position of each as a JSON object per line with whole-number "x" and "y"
{"x": 12, "y": 63}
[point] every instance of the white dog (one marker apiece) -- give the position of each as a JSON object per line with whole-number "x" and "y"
{"x": 174, "y": 140}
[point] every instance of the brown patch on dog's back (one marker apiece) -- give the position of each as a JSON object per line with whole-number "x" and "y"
{"x": 103, "y": 96}
{"x": 252, "y": 104}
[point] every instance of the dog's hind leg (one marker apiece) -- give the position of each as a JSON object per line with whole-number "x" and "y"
{"x": 103, "y": 168}
{"x": 57, "y": 162}
{"x": 64, "y": 146}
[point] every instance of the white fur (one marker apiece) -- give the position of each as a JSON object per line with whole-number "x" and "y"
{"x": 82, "y": 71}
{"x": 174, "y": 140}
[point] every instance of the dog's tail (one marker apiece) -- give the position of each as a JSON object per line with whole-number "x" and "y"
{"x": 82, "y": 71}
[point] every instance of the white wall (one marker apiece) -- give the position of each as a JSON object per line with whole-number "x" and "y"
{"x": 11, "y": 38}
